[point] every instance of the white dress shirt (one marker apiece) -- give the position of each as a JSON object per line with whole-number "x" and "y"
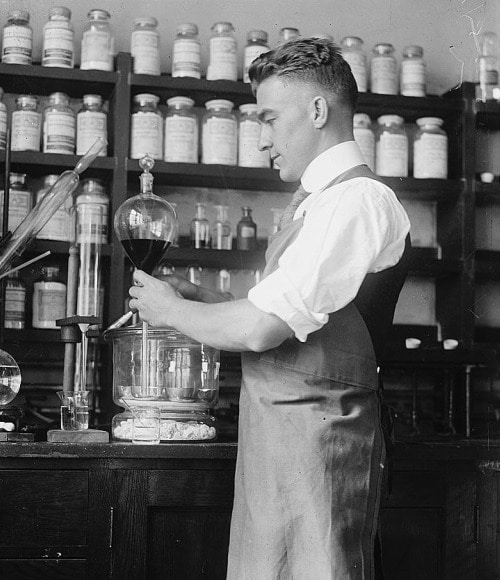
{"x": 350, "y": 229}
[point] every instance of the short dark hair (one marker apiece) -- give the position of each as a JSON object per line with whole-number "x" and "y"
{"x": 313, "y": 60}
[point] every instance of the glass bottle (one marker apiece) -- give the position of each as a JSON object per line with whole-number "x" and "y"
{"x": 277, "y": 213}
{"x": 220, "y": 133}
{"x": 223, "y": 281}
{"x": 246, "y": 231}
{"x": 487, "y": 68}
{"x": 91, "y": 124}
{"x": 15, "y": 302}
{"x": 288, "y": 33}
{"x": 383, "y": 70}
{"x": 354, "y": 54}
{"x": 430, "y": 149}
{"x": 59, "y": 126}
{"x": 93, "y": 211}
{"x": 194, "y": 274}
{"x": 412, "y": 72}
{"x": 365, "y": 138}
{"x": 20, "y": 200}
{"x": 248, "y": 139}
{"x": 181, "y": 131}
{"x": 49, "y": 299}
{"x": 145, "y": 46}
{"x": 256, "y": 45}
{"x": 391, "y": 159}
{"x": 146, "y": 131}
{"x": 97, "y": 42}
{"x": 222, "y": 238}
{"x": 186, "y": 53}
{"x": 17, "y": 44}
{"x": 58, "y": 48}
{"x": 200, "y": 228}
{"x": 3, "y": 121}
{"x": 223, "y": 64}
{"x": 59, "y": 225}
{"x": 26, "y": 124}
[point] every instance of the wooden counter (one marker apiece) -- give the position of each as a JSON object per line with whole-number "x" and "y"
{"x": 126, "y": 511}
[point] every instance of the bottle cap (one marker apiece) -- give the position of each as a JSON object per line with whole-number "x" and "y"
{"x": 180, "y": 101}
{"x": 248, "y": 108}
{"x": 98, "y": 14}
{"x": 92, "y": 100}
{"x": 219, "y": 104}
{"x": 351, "y": 41}
{"x": 257, "y": 35}
{"x": 61, "y": 11}
{"x": 429, "y": 121}
{"x": 146, "y": 98}
{"x": 219, "y": 27}
{"x": 59, "y": 99}
{"x": 18, "y": 15}
{"x": 362, "y": 119}
{"x": 390, "y": 119}
{"x": 146, "y": 21}
{"x": 187, "y": 28}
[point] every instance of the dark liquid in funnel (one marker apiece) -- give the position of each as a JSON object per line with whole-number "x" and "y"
{"x": 145, "y": 254}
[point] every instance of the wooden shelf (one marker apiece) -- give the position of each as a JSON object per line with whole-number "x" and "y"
{"x": 487, "y": 264}
{"x": 487, "y": 192}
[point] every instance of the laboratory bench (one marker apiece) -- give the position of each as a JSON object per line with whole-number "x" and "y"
{"x": 125, "y": 511}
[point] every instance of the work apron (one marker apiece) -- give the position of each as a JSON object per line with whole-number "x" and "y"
{"x": 310, "y": 451}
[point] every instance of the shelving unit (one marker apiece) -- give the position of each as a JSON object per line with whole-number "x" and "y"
{"x": 454, "y": 267}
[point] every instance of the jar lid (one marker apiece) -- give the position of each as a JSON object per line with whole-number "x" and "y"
{"x": 27, "y": 100}
{"x": 146, "y": 98}
{"x": 362, "y": 119}
{"x": 179, "y": 101}
{"x": 429, "y": 121}
{"x": 51, "y": 270}
{"x": 187, "y": 28}
{"x": 351, "y": 41}
{"x": 248, "y": 108}
{"x": 146, "y": 21}
{"x": 222, "y": 27}
{"x": 60, "y": 11}
{"x": 19, "y": 178}
{"x": 257, "y": 35}
{"x": 18, "y": 15}
{"x": 219, "y": 104}
{"x": 98, "y": 14}
{"x": 413, "y": 50}
{"x": 59, "y": 98}
{"x": 383, "y": 48}
{"x": 92, "y": 185}
{"x": 288, "y": 33}
{"x": 390, "y": 120}
{"x": 92, "y": 99}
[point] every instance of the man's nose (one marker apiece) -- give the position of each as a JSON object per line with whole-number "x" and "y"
{"x": 264, "y": 142}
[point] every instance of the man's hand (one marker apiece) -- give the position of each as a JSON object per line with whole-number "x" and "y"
{"x": 154, "y": 299}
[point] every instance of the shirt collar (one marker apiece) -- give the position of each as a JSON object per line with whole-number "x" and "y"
{"x": 330, "y": 164}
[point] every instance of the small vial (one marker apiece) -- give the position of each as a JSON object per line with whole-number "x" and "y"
{"x": 17, "y": 43}
{"x": 223, "y": 281}
{"x": 186, "y": 53}
{"x": 26, "y": 124}
{"x": 256, "y": 45}
{"x": 246, "y": 231}
{"x": 220, "y": 133}
{"x": 222, "y": 238}
{"x": 383, "y": 77}
{"x": 59, "y": 225}
{"x": 487, "y": 68}
{"x": 49, "y": 299}
{"x": 20, "y": 200}
{"x": 3, "y": 122}
{"x": 145, "y": 47}
{"x": 92, "y": 205}
{"x": 194, "y": 274}
{"x": 91, "y": 124}
{"x": 58, "y": 48}
{"x": 248, "y": 139}
{"x": 200, "y": 228}
{"x": 365, "y": 138}
{"x": 181, "y": 131}
{"x": 97, "y": 42}
{"x": 146, "y": 132}
{"x": 391, "y": 147}
{"x": 59, "y": 125}
{"x": 223, "y": 64}
{"x": 354, "y": 54}
{"x": 412, "y": 79}
{"x": 288, "y": 33}
{"x": 15, "y": 302}
{"x": 430, "y": 149}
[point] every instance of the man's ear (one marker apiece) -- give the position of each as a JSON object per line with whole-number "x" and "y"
{"x": 320, "y": 112}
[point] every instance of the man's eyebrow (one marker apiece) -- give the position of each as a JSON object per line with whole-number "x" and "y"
{"x": 262, "y": 114}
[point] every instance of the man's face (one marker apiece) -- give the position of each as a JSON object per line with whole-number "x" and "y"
{"x": 286, "y": 114}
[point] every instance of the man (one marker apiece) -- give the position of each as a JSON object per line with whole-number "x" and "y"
{"x": 310, "y": 447}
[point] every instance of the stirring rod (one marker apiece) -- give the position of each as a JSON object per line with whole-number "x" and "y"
{"x": 25, "y": 264}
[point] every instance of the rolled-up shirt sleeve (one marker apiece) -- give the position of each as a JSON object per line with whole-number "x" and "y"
{"x": 349, "y": 230}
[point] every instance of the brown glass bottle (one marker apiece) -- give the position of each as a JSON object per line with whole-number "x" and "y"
{"x": 246, "y": 231}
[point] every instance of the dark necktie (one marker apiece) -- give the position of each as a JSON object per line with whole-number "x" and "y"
{"x": 288, "y": 213}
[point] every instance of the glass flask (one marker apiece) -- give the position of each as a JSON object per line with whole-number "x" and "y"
{"x": 354, "y": 54}
{"x": 246, "y": 231}
{"x": 222, "y": 238}
{"x": 58, "y": 48}
{"x": 200, "y": 228}
{"x": 17, "y": 42}
{"x": 98, "y": 45}
{"x": 223, "y": 63}
{"x": 186, "y": 54}
{"x": 256, "y": 45}
{"x": 145, "y": 46}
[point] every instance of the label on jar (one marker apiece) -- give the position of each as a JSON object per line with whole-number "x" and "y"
{"x": 49, "y": 304}
{"x": 248, "y": 151}
{"x": 58, "y": 49}
{"x": 145, "y": 50}
{"x": 430, "y": 156}
{"x": 366, "y": 143}
{"x": 223, "y": 59}
{"x": 15, "y": 307}
{"x": 97, "y": 51}
{"x": 146, "y": 135}
{"x": 220, "y": 141}
{"x": 384, "y": 79}
{"x": 251, "y": 53}
{"x": 181, "y": 140}
{"x": 92, "y": 223}
{"x": 59, "y": 132}
{"x": 58, "y": 226}
{"x": 413, "y": 78}
{"x": 357, "y": 62}
{"x": 90, "y": 125}
{"x": 26, "y": 131}
{"x": 186, "y": 58}
{"x": 3, "y": 127}
{"x": 17, "y": 44}
{"x": 392, "y": 155}
{"x": 19, "y": 207}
